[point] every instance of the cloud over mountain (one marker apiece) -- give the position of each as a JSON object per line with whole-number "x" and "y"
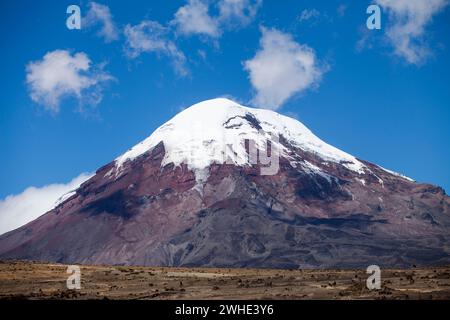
{"x": 281, "y": 68}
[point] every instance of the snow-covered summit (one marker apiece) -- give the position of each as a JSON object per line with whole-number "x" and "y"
{"x": 215, "y": 130}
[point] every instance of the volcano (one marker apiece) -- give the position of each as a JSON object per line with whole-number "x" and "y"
{"x": 223, "y": 185}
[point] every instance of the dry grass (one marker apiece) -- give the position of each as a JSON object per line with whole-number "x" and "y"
{"x": 48, "y": 281}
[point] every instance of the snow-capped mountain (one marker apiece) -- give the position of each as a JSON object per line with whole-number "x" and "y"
{"x": 221, "y": 184}
{"x": 198, "y": 136}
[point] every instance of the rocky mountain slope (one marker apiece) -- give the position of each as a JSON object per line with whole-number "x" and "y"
{"x": 196, "y": 193}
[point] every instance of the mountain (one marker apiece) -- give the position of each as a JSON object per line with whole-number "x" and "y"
{"x": 221, "y": 184}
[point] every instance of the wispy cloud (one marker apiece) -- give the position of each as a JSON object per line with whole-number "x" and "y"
{"x": 100, "y": 15}
{"x": 60, "y": 74}
{"x": 237, "y": 13}
{"x": 195, "y": 17}
{"x": 311, "y": 17}
{"x": 408, "y": 20}
{"x": 150, "y": 36}
{"x": 308, "y": 15}
{"x": 281, "y": 68}
{"x": 18, "y": 210}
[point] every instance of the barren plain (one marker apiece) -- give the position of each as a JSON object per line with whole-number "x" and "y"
{"x": 33, "y": 280}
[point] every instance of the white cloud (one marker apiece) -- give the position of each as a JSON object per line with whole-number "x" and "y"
{"x": 150, "y": 36}
{"x": 60, "y": 74}
{"x": 194, "y": 18}
{"x": 406, "y": 31}
{"x": 100, "y": 14}
{"x": 18, "y": 210}
{"x": 281, "y": 68}
{"x": 237, "y": 13}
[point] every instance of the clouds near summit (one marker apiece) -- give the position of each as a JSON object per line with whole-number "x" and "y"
{"x": 281, "y": 68}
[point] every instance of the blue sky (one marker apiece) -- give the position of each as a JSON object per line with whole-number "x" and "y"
{"x": 381, "y": 95}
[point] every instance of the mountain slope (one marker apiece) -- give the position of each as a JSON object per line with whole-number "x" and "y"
{"x": 190, "y": 195}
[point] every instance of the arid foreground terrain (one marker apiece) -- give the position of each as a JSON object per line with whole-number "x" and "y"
{"x": 31, "y": 280}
